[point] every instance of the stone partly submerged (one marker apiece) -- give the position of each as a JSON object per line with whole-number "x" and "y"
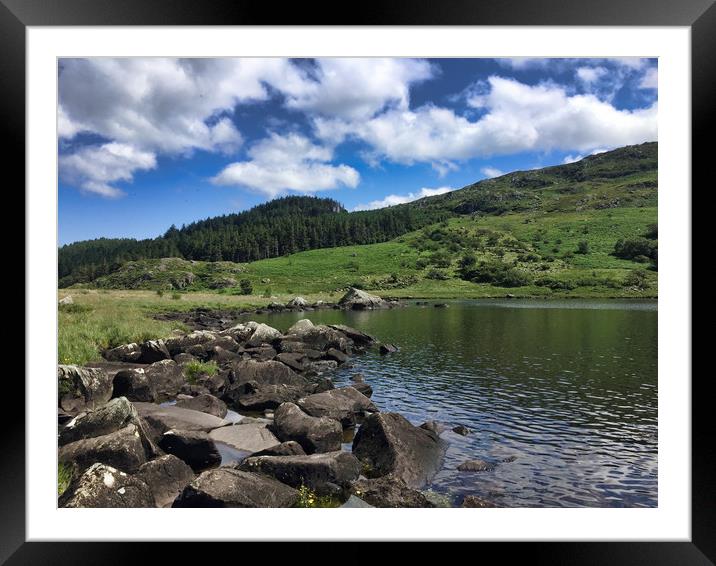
{"x": 314, "y": 434}
{"x": 387, "y": 443}
{"x": 359, "y": 300}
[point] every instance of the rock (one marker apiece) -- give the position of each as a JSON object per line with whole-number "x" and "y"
{"x": 121, "y": 449}
{"x": 183, "y": 343}
{"x": 196, "y": 448}
{"x": 153, "y": 351}
{"x": 259, "y": 398}
{"x": 387, "y": 443}
{"x": 461, "y": 430}
{"x": 300, "y": 327}
{"x": 322, "y": 337}
{"x": 322, "y": 366}
{"x": 82, "y": 388}
{"x": 314, "y": 471}
{"x": 363, "y": 388}
{"x": 68, "y": 300}
{"x": 357, "y": 299}
{"x": 433, "y": 426}
{"x": 314, "y": 434}
{"x": 292, "y": 360}
{"x": 166, "y": 378}
{"x": 164, "y": 418}
{"x": 342, "y": 404}
{"x": 476, "y": 466}
{"x": 265, "y": 373}
{"x": 241, "y": 332}
{"x": 337, "y": 355}
{"x": 229, "y": 487}
{"x": 288, "y": 448}
{"x": 134, "y": 384}
{"x": 360, "y": 338}
{"x": 355, "y": 502}
{"x": 183, "y": 358}
{"x": 297, "y": 302}
{"x": 357, "y": 378}
{"x": 263, "y": 334}
{"x": 105, "y": 486}
{"x": 476, "y": 502}
{"x": 115, "y": 415}
{"x": 261, "y": 353}
{"x": 166, "y": 477}
{"x": 204, "y": 403}
{"x": 440, "y": 305}
{"x": 388, "y": 491}
{"x": 249, "y": 437}
{"x": 125, "y": 353}
{"x": 388, "y": 349}
{"x": 222, "y": 356}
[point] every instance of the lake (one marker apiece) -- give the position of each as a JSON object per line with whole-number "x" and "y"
{"x": 566, "y": 388}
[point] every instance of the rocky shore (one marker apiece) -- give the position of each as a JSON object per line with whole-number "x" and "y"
{"x": 246, "y": 416}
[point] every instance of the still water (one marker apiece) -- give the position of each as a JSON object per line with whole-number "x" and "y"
{"x": 568, "y": 389}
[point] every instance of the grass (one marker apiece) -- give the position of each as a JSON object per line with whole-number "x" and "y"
{"x": 307, "y": 498}
{"x": 195, "y": 369}
{"x": 64, "y": 477}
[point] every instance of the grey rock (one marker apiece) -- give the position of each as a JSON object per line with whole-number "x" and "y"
{"x": 314, "y": 434}
{"x": 105, "y": 486}
{"x": 388, "y": 491}
{"x": 121, "y": 449}
{"x": 343, "y": 405}
{"x": 358, "y": 299}
{"x": 476, "y": 466}
{"x": 195, "y": 448}
{"x": 153, "y": 351}
{"x": 288, "y": 448}
{"x": 170, "y": 417}
{"x": 166, "y": 477}
{"x": 474, "y": 501}
{"x": 250, "y": 437}
{"x": 204, "y": 403}
{"x": 82, "y": 388}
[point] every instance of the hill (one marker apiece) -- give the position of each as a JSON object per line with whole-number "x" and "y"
{"x": 552, "y": 230}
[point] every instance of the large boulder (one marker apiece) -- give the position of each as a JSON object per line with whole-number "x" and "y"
{"x": 320, "y": 472}
{"x": 322, "y": 337}
{"x": 294, "y": 360}
{"x": 252, "y": 397}
{"x": 297, "y": 303}
{"x": 105, "y": 486}
{"x": 121, "y": 449}
{"x": 263, "y": 334}
{"x": 125, "y": 353}
{"x": 357, "y": 299}
{"x": 265, "y": 373}
{"x": 115, "y": 415}
{"x": 166, "y": 378}
{"x": 359, "y": 338}
{"x": 314, "y": 434}
{"x": 134, "y": 384}
{"x": 204, "y": 403}
{"x": 166, "y": 477}
{"x": 387, "y": 443}
{"x": 300, "y": 327}
{"x": 82, "y": 388}
{"x": 388, "y": 491}
{"x": 241, "y": 332}
{"x": 164, "y": 418}
{"x": 180, "y": 344}
{"x": 476, "y": 502}
{"x": 153, "y": 351}
{"x": 194, "y": 447}
{"x": 229, "y": 487}
{"x": 343, "y": 404}
{"x": 288, "y": 448}
{"x": 249, "y": 437}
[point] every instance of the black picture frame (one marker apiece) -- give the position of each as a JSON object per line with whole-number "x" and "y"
{"x": 699, "y": 15}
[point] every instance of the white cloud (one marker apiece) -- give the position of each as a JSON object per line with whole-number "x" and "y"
{"x": 287, "y": 163}
{"x": 650, "y": 78}
{"x": 589, "y": 75}
{"x": 392, "y": 200}
{"x": 491, "y": 172}
{"x": 572, "y": 158}
{"x": 358, "y": 88}
{"x": 518, "y": 117}
{"x": 94, "y": 168}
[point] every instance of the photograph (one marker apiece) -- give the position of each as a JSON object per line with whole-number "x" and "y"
{"x": 357, "y": 282}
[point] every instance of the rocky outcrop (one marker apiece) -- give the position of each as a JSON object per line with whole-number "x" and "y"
{"x": 153, "y": 351}
{"x": 299, "y": 328}
{"x": 82, "y": 388}
{"x": 105, "y": 486}
{"x": 264, "y": 373}
{"x": 344, "y": 405}
{"x": 195, "y": 448}
{"x": 121, "y": 449}
{"x": 134, "y": 384}
{"x": 164, "y": 418}
{"x": 263, "y": 334}
{"x": 125, "y": 353}
{"x": 166, "y": 477}
{"x": 166, "y": 378}
{"x": 387, "y": 443}
{"x": 204, "y": 403}
{"x": 229, "y": 487}
{"x": 359, "y": 300}
{"x": 252, "y": 397}
{"x": 388, "y": 491}
{"x": 249, "y": 437}
{"x": 314, "y": 434}
{"x": 297, "y": 303}
{"x": 324, "y": 473}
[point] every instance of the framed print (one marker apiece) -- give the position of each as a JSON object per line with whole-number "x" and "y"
{"x": 403, "y": 269}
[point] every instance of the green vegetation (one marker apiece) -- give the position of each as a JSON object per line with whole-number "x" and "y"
{"x": 64, "y": 477}
{"x": 195, "y": 369}
{"x": 307, "y": 498}
{"x": 246, "y": 286}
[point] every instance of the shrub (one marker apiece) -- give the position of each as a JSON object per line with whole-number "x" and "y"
{"x": 267, "y": 293}
{"x": 176, "y": 296}
{"x": 160, "y": 292}
{"x": 441, "y": 259}
{"x": 630, "y": 248}
{"x": 437, "y": 275}
{"x": 246, "y": 287}
{"x": 74, "y": 308}
{"x": 496, "y": 273}
{"x": 637, "y": 278}
{"x": 583, "y": 247}
{"x": 421, "y": 263}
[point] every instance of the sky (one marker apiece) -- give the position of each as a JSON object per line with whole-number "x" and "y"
{"x": 145, "y": 143}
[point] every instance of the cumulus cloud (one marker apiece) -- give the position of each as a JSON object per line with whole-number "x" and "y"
{"x": 358, "y": 88}
{"x": 392, "y": 200}
{"x": 491, "y": 172}
{"x": 650, "y": 78}
{"x": 518, "y": 117}
{"x": 287, "y": 163}
{"x": 589, "y": 75}
{"x": 95, "y": 168}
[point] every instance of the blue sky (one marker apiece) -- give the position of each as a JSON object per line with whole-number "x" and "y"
{"x": 147, "y": 143}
